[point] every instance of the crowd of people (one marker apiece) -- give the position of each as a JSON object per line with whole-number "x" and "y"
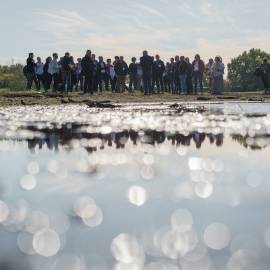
{"x": 150, "y": 74}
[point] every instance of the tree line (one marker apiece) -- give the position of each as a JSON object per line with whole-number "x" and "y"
{"x": 240, "y": 73}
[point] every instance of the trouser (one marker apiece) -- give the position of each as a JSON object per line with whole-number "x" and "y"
{"x": 177, "y": 84}
{"x": 166, "y": 81}
{"x": 147, "y": 84}
{"x": 66, "y": 77}
{"x": 31, "y": 76}
{"x": 198, "y": 79}
{"x": 189, "y": 84}
{"x": 265, "y": 80}
{"x": 79, "y": 81}
{"x": 132, "y": 81}
{"x": 158, "y": 81}
{"x": 47, "y": 81}
{"x": 73, "y": 79}
{"x": 88, "y": 84}
{"x": 39, "y": 80}
{"x": 121, "y": 83}
{"x": 140, "y": 82}
{"x": 103, "y": 77}
{"x": 113, "y": 83}
{"x": 95, "y": 83}
{"x": 172, "y": 83}
{"x": 183, "y": 84}
{"x": 55, "y": 78}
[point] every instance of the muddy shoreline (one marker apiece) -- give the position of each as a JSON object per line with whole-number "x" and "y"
{"x": 34, "y": 98}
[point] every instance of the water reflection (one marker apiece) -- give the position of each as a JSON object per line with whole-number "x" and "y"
{"x": 142, "y": 190}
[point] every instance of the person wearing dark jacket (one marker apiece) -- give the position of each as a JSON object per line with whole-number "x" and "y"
{"x": 47, "y": 77}
{"x": 31, "y": 72}
{"x": 146, "y": 63}
{"x": 264, "y": 74}
{"x": 189, "y": 76}
{"x": 182, "y": 70}
{"x": 121, "y": 70}
{"x": 158, "y": 70}
{"x": 198, "y": 71}
{"x": 133, "y": 74}
{"x": 66, "y": 66}
{"x": 87, "y": 72}
{"x": 95, "y": 73}
{"x": 102, "y": 74}
{"x": 176, "y": 75}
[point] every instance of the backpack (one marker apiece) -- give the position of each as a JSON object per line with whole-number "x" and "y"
{"x": 25, "y": 71}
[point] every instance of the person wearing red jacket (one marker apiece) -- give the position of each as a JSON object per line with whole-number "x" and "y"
{"x": 198, "y": 71}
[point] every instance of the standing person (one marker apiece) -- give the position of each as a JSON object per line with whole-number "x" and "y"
{"x": 217, "y": 73}
{"x": 39, "y": 72}
{"x": 172, "y": 76}
{"x": 111, "y": 74}
{"x": 146, "y": 62}
{"x": 101, "y": 74}
{"x": 66, "y": 66}
{"x": 30, "y": 72}
{"x": 183, "y": 70}
{"x": 121, "y": 70}
{"x": 54, "y": 71}
{"x": 47, "y": 77}
{"x": 73, "y": 73}
{"x": 177, "y": 75}
{"x": 87, "y": 72}
{"x": 158, "y": 71}
{"x": 166, "y": 79}
{"x": 264, "y": 74}
{"x": 189, "y": 76}
{"x": 198, "y": 71}
{"x": 79, "y": 77}
{"x": 133, "y": 74}
{"x": 139, "y": 82}
{"x": 208, "y": 71}
{"x": 95, "y": 73}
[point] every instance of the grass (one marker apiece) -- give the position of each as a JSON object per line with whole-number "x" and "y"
{"x": 11, "y": 98}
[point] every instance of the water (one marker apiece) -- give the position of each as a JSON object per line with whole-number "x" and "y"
{"x": 140, "y": 187}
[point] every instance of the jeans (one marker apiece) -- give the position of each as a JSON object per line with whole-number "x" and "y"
{"x": 158, "y": 81}
{"x": 88, "y": 84}
{"x": 31, "y": 76}
{"x": 147, "y": 84}
{"x": 132, "y": 81}
{"x": 198, "y": 79}
{"x": 66, "y": 76}
{"x": 183, "y": 84}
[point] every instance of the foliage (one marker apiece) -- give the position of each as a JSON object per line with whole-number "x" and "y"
{"x": 12, "y": 77}
{"x": 241, "y": 70}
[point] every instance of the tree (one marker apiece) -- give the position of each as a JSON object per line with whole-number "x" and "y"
{"x": 241, "y": 70}
{"x": 12, "y": 77}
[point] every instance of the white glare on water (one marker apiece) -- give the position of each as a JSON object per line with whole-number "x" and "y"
{"x": 33, "y": 167}
{"x": 137, "y": 195}
{"x": 4, "y": 211}
{"x": 217, "y": 236}
{"x": 181, "y": 220}
{"x": 28, "y": 182}
{"x": 126, "y": 249}
{"x": 46, "y": 242}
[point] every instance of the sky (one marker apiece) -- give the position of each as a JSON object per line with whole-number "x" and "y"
{"x": 126, "y": 27}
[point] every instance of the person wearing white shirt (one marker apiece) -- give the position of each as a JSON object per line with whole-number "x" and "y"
{"x": 39, "y": 72}
{"x": 54, "y": 71}
{"x": 111, "y": 74}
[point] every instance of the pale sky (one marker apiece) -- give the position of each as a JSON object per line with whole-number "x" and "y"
{"x": 126, "y": 27}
